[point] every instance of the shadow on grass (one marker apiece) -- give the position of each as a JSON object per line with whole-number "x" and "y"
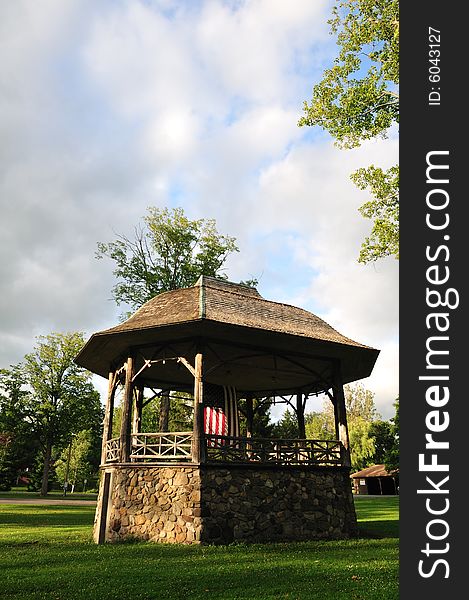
{"x": 378, "y": 529}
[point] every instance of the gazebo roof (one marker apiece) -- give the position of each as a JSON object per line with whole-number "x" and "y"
{"x": 231, "y": 315}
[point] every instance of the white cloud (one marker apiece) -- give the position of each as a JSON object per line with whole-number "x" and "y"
{"x": 107, "y": 108}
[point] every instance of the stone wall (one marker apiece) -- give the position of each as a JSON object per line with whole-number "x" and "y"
{"x": 275, "y": 504}
{"x": 208, "y": 504}
{"x": 160, "y": 504}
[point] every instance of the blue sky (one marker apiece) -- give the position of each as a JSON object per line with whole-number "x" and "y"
{"x": 108, "y": 108}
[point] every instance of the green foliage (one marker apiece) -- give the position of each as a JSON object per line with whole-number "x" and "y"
{"x": 362, "y": 447}
{"x": 361, "y": 413}
{"x": 383, "y": 209}
{"x": 180, "y": 414}
{"x": 359, "y": 402}
{"x": 286, "y": 427}
{"x": 169, "y": 251}
{"x": 62, "y": 398}
{"x": 17, "y": 444}
{"x": 391, "y": 461}
{"x": 79, "y": 467}
{"x": 357, "y": 100}
{"x": 261, "y": 425}
{"x": 319, "y": 425}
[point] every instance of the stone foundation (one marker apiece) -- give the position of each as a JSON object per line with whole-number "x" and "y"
{"x": 212, "y": 504}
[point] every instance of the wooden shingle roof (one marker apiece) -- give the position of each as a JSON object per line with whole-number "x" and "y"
{"x": 372, "y": 471}
{"x": 233, "y": 315}
{"x": 230, "y": 303}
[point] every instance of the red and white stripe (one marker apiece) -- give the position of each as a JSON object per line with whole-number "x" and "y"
{"x": 223, "y": 419}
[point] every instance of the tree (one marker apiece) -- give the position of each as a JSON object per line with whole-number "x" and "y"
{"x": 76, "y": 463}
{"x": 18, "y": 446}
{"x": 169, "y": 251}
{"x": 179, "y": 418}
{"x": 362, "y": 447}
{"x": 286, "y": 427}
{"x": 261, "y": 425}
{"x": 320, "y": 424}
{"x": 381, "y": 432}
{"x": 357, "y": 100}
{"x": 391, "y": 461}
{"x": 360, "y": 402}
{"x": 62, "y": 399}
{"x": 361, "y": 413}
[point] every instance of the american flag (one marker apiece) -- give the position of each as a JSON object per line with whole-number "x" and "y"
{"x": 221, "y": 410}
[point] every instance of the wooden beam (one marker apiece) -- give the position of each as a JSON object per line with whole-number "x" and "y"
{"x": 198, "y": 444}
{"x": 137, "y": 410}
{"x": 340, "y": 413}
{"x": 300, "y": 415}
{"x": 107, "y": 423}
{"x": 187, "y": 364}
{"x": 126, "y": 412}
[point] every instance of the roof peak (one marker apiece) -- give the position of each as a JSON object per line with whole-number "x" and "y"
{"x": 227, "y": 286}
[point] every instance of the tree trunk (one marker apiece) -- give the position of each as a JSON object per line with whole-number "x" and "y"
{"x": 164, "y": 411}
{"x": 45, "y": 473}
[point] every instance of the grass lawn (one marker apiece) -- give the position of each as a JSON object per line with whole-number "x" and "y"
{"x": 21, "y": 493}
{"x": 46, "y": 552}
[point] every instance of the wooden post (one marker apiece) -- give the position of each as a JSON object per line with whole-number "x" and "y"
{"x": 198, "y": 442}
{"x": 164, "y": 411}
{"x": 340, "y": 414}
{"x": 126, "y": 411}
{"x": 137, "y": 412}
{"x": 107, "y": 423}
{"x": 249, "y": 415}
{"x": 300, "y": 415}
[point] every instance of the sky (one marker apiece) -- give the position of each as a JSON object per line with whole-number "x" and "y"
{"x": 107, "y": 108}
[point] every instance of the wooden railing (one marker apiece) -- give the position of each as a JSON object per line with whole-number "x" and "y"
{"x": 282, "y": 452}
{"x": 176, "y": 446}
{"x": 161, "y": 446}
{"x": 112, "y": 450}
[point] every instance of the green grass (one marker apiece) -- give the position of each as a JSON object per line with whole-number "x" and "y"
{"x": 46, "y": 553}
{"x": 22, "y": 493}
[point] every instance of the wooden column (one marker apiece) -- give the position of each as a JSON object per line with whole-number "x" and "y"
{"x": 126, "y": 411}
{"x": 198, "y": 442}
{"x": 340, "y": 414}
{"x": 300, "y": 415}
{"x": 107, "y": 423}
{"x": 164, "y": 411}
{"x": 137, "y": 412}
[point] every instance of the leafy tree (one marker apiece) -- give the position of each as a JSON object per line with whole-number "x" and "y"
{"x": 75, "y": 464}
{"x": 357, "y": 100}
{"x": 319, "y": 425}
{"x": 261, "y": 425}
{"x": 362, "y": 447}
{"x": 287, "y": 427}
{"x": 169, "y": 251}
{"x": 360, "y": 402}
{"x": 17, "y": 444}
{"x": 381, "y": 432}
{"x": 361, "y": 413}
{"x": 179, "y": 418}
{"x": 62, "y": 398}
{"x": 391, "y": 461}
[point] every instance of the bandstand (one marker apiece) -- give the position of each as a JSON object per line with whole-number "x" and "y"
{"x": 222, "y": 344}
